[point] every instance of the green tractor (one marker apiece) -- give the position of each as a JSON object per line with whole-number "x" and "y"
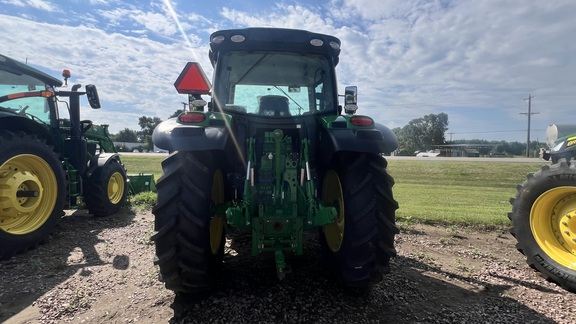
{"x": 544, "y": 211}
{"x": 273, "y": 154}
{"x": 48, "y": 163}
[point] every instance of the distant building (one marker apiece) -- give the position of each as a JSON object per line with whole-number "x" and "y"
{"x": 461, "y": 150}
{"x": 129, "y": 145}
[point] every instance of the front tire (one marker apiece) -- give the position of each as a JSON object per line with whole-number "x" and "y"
{"x": 32, "y": 192}
{"x": 106, "y": 189}
{"x": 189, "y": 236}
{"x": 544, "y": 222}
{"x": 359, "y": 245}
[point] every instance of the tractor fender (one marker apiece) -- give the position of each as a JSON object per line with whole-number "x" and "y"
{"x": 16, "y": 123}
{"x": 379, "y": 139}
{"x": 100, "y": 160}
{"x": 172, "y": 136}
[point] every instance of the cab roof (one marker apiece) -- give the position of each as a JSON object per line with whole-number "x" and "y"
{"x": 20, "y": 70}
{"x": 273, "y": 40}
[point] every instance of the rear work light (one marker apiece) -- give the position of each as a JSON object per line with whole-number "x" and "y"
{"x": 316, "y": 42}
{"x": 238, "y": 38}
{"x": 192, "y": 118}
{"x": 218, "y": 39}
{"x": 361, "y": 121}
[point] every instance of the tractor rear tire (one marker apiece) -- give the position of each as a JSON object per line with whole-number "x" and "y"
{"x": 32, "y": 192}
{"x": 106, "y": 189}
{"x": 544, "y": 222}
{"x": 188, "y": 235}
{"x": 359, "y": 245}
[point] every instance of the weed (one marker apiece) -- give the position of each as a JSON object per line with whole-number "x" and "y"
{"x": 78, "y": 300}
{"x": 446, "y": 240}
{"x": 453, "y": 230}
{"x": 460, "y": 265}
{"x": 143, "y": 200}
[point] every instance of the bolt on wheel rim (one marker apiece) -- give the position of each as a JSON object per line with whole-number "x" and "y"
{"x": 28, "y": 194}
{"x": 332, "y": 194}
{"x": 116, "y": 188}
{"x": 553, "y": 224}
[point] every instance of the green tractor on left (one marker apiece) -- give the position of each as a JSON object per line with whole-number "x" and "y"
{"x": 49, "y": 163}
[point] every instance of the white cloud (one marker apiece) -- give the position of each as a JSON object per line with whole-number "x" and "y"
{"x": 36, "y": 4}
{"x": 134, "y": 76}
{"x": 408, "y": 57}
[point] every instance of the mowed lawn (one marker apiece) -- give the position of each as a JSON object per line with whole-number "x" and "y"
{"x": 457, "y": 192}
{"x": 472, "y": 192}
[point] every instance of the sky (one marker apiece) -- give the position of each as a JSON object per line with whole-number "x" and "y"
{"x": 477, "y": 61}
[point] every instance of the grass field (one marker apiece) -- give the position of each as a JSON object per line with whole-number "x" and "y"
{"x": 457, "y": 192}
{"x": 431, "y": 191}
{"x": 144, "y": 164}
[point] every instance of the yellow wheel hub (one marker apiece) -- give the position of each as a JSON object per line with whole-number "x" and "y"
{"x": 28, "y": 194}
{"x": 332, "y": 194}
{"x": 217, "y": 221}
{"x": 553, "y": 224}
{"x": 116, "y": 188}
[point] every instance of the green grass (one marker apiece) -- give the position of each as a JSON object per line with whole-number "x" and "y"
{"x": 144, "y": 164}
{"x": 427, "y": 191}
{"x": 456, "y": 192}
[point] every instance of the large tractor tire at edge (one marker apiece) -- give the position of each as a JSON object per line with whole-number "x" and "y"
{"x": 32, "y": 192}
{"x": 544, "y": 222}
{"x": 359, "y": 245}
{"x": 106, "y": 189}
{"x": 189, "y": 238}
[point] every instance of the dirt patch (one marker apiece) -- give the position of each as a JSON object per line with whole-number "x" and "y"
{"x": 100, "y": 270}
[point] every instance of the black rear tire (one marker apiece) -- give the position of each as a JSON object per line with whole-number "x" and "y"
{"x": 369, "y": 220}
{"x": 544, "y": 222}
{"x": 106, "y": 189}
{"x": 28, "y": 164}
{"x": 189, "y": 240}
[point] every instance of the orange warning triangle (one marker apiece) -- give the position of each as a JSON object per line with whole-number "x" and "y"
{"x": 192, "y": 80}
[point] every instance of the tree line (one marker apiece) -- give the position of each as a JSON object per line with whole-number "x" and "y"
{"x": 144, "y": 135}
{"x": 420, "y": 134}
{"x": 427, "y": 132}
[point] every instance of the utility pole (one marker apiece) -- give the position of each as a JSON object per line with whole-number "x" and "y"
{"x": 529, "y": 113}
{"x": 450, "y": 133}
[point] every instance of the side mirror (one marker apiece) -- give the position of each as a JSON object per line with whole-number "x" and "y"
{"x": 92, "y": 95}
{"x": 351, "y": 100}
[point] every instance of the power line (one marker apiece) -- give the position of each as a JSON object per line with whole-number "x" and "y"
{"x": 529, "y": 114}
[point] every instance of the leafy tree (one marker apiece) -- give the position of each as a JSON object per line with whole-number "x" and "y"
{"x": 403, "y": 148}
{"x": 176, "y": 113}
{"x": 422, "y": 133}
{"x": 126, "y": 135}
{"x": 147, "y": 124}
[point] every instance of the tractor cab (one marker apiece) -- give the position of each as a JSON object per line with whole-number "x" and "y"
{"x": 292, "y": 77}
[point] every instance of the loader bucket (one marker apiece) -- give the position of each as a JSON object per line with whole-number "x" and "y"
{"x": 141, "y": 182}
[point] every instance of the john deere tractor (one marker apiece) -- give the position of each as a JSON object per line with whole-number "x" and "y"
{"x": 544, "y": 211}
{"x": 275, "y": 154}
{"x": 47, "y": 162}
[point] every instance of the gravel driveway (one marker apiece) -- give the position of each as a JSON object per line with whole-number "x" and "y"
{"x": 100, "y": 270}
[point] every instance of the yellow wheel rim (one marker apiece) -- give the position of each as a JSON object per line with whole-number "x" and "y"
{"x": 28, "y": 194}
{"x": 116, "y": 187}
{"x": 217, "y": 221}
{"x": 332, "y": 194}
{"x": 553, "y": 224}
